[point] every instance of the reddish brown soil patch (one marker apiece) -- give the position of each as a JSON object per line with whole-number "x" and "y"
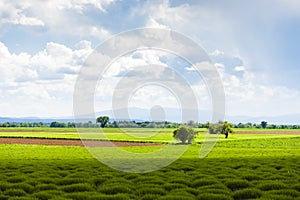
{"x": 269, "y": 132}
{"x": 63, "y": 142}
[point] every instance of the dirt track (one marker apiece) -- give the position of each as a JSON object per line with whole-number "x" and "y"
{"x": 63, "y": 142}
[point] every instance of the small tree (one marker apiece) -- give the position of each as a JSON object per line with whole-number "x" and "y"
{"x": 264, "y": 124}
{"x": 185, "y": 134}
{"x": 103, "y": 120}
{"x": 220, "y": 128}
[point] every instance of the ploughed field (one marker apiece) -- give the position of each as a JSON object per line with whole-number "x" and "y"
{"x": 251, "y": 165}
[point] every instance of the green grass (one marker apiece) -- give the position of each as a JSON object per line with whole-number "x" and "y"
{"x": 129, "y": 134}
{"x": 253, "y": 166}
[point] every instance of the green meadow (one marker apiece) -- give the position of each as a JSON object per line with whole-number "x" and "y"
{"x": 245, "y": 166}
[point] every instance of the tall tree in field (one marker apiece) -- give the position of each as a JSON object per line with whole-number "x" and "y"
{"x": 103, "y": 120}
{"x": 185, "y": 134}
{"x": 264, "y": 124}
{"x": 220, "y": 128}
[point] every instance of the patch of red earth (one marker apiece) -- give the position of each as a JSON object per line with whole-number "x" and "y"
{"x": 62, "y": 142}
{"x": 269, "y": 132}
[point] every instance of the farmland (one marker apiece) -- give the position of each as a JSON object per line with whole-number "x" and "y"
{"x": 245, "y": 166}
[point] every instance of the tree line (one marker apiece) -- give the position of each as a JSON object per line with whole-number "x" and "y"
{"x": 103, "y": 121}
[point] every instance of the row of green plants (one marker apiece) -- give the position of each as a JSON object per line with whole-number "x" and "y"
{"x": 235, "y": 169}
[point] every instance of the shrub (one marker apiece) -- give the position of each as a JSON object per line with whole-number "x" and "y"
{"x": 251, "y": 177}
{"x": 183, "y": 181}
{"x": 248, "y": 193}
{"x": 80, "y": 187}
{"x": 16, "y": 179}
{"x": 114, "y": 189}
{"x": 216, "y": 191}
{"x": 24, "y": 186}
{"x": 204, "y": 182}
{"x": 271, "y": 185}
{"x": 3, "y": 197}
{"x": 286, "y": 192}
{"x": 14, "y": 192}
{"x": 205, "y": 196}
{"x": 150, "y": 196}
{"x": 43, "y": 195}
{"x": 297, "y": 187}
{"x": 4, "y": 186}
{"x": 172, "y": 186}
{"x": 176, "y": 197}
{"x": 43, "y": 187}
{"x": 150, "y": 190}
{"x": 237, "y": 184}
{"x": 110, "y": 197}
{"x": 46, "y": 180}
{"x": 70, "y": 181}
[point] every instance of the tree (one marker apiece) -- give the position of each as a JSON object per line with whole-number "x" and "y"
{"x": 220, "y": 128}
{"x": 103, "y": 120}
{"x": 264, "y": 124}
{"x": 185, "y": 134}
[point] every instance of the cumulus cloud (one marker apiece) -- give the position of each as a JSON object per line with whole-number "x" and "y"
{"x": 17, "y": 13}
{"x": 48, "y": 75}
{"x": 57, "y": 17}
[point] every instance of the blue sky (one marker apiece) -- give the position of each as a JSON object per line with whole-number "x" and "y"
{"x": 255, "y": 46}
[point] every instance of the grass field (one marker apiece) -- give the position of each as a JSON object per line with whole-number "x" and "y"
{"x": 130, "y": 134}
{"x": 246, "y": 166}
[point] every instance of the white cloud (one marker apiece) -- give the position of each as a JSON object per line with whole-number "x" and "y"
{"x": 17, "y": 13}
{"x": 80, "y": 5}
{"x": 217, "y": 52}
{"x": 239, "y": 68}
{"x": 47, "y": 76}
{"x": 64, "y": 17}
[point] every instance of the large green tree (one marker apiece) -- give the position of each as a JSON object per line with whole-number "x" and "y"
{"x": 220, "y": 128}
{"x": 103, "y": 120}
{"x": 264, "y": 124}
{"x": 185, "y": 134}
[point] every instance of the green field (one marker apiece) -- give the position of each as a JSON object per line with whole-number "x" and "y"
{"x": 128, "y": 134}
{"x": 245, "y": 166}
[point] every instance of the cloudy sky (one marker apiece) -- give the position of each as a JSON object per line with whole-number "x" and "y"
{"x": 255, "y": 46}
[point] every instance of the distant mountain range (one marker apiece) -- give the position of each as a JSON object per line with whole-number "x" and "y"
{"x": 169, "y": 114}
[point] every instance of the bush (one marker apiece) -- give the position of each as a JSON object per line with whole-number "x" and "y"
{"x": 248, "y": 193}
{"x": 80, "y": 187}
{"x": 69, "y": 181}
{"x": 3, "y": 197}
{"x": 286, "y": 192}
{"x": 206, "y": 196}
{"x": 114, "y": 189}
{"x": 172, "y": 186}
{"x": 16, "y": 179}
{"x": 24, "y": 186}
{"x": 150, "y": 190}
{"x": 150, "y": 197}
{"x": 14, "y": 192}
{"x": 271, "y": 185}
{"x": 176, "y": 197}
{"x": 204, "y": 182}
{"x": 251, "y": 177}
{"x": 4, "y": 186}
{"x": 237, "y": 184}
{"x": 110, "y": 197}
{"x": 43, "y": 195}
{"x": 43, "y": 187}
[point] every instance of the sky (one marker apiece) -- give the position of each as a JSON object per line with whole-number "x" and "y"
{"x": 254, "y": 45}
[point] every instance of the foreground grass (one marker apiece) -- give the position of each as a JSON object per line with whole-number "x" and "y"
{"x": 255, "y": 168}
